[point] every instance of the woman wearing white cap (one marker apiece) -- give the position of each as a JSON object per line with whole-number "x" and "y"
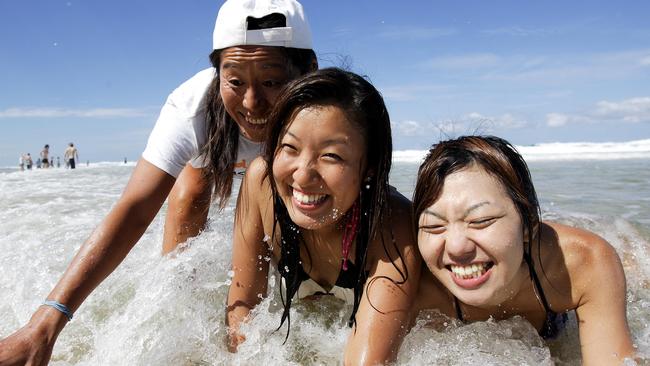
{"x": 215, "y": 121}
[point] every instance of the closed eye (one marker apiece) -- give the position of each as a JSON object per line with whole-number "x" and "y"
{"x": 483, "y": 222}
{"x": 333, "y": 156}
{"x": 432, "y": 229}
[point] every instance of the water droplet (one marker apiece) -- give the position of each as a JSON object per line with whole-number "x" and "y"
{"x": 231, "y": 273}
{"x": 266, "y": 238}
{"x": 286, "y": 269}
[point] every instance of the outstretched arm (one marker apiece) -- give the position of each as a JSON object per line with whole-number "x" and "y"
{"x": 385, "y": 309}
{"x": 250, "y": 264}
{"x": 107, "y": 246}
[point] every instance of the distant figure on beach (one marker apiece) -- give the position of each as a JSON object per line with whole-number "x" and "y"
{"x": 70, "y": 155}
{"x": 58, "y": 162}
{"x": 125, "y": 160}
{"x": 45, "y": 157}
{"x": 38, "y": 163}
{"x": 21, "y": 162}
{"x": 28, "y": 161}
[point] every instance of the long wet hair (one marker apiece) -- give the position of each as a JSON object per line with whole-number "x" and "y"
{"x": 499, "y": 159}
{"x": 223, "y": 132}
{"x": 364, "y": 107}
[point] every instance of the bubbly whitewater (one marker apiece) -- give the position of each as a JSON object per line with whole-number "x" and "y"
{"x": 157, "y": 310}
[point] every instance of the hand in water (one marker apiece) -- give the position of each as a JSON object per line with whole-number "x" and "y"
{"x": 27, "y": 346}
{"x": 32, "y": 344}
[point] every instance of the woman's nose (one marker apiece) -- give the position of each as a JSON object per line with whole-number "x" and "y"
{"x": 458, "y": 245}
{"x": 305, "y": 172}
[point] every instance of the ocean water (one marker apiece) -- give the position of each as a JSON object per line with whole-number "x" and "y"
{"x": 156, "y": 310}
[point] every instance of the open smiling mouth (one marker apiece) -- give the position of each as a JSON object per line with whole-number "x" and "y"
{"x": 256, "y": 122}
{"x": 308, "y": 201}
{"x": 472, "y": 271}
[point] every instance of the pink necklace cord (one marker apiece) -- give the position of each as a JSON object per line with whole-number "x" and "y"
{"x": 349, "y": 233}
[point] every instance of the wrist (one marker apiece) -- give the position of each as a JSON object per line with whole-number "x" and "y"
{"x": 48, "y": 321}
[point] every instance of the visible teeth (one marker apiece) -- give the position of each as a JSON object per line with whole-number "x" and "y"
{"x": 256, "y": 121}
{"x": 471, "y": 271}
{"x": 307, "y": 198}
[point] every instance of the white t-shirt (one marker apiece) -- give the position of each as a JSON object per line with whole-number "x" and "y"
{"x": 181, "y": 130}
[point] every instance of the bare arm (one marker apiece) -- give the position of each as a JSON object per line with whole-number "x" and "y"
{"x": 385, "y": 309}
{"x": 599, "y": 285}
{"x": 107, "y": 246}
{"x": 250, "y": 277}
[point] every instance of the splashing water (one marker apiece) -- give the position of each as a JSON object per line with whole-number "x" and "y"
{"x": 157, "y": 310}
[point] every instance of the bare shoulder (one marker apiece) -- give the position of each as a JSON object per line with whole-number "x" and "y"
{"x": 256, "y": 171}
{"x": 396, "y": 228}
{"x": 401, "y": 209}
{"x": 578, "y": 260}
{"x": 579, "y": 247}
{"x": 255, "y": 192}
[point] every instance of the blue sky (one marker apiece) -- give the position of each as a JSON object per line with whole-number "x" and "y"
{"x": 97, "y": 72}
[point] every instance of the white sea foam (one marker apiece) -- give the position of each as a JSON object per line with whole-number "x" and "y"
{"x": 638, "y": 149}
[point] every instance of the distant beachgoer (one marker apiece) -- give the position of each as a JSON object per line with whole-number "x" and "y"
{"x": 70, "y": 155}
{"x": 28, "y": 161}
{"x": 45, "y": 157}
{"x": 124, "y": 160}
{"x": 38, "y": 163}
{"x": 58, "y": 162}
{"x": 21, "y": 162}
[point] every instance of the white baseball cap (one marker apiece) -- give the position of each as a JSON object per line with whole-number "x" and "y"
{"x": 231, "y": 27}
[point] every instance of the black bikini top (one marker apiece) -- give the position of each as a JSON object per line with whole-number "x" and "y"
{"x": 346, "y": 279}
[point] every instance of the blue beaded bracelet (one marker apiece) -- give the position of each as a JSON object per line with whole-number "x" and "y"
{"x": 60, "y": 307}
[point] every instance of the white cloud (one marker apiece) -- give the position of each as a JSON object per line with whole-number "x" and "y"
{"x": 407, "y": 128}
{"x": 74, "y": 113}
{"x": 416, "y": 33}
{"x": 633, "y": 110}
{"x": 506, "y": 120}
{"x": 556, "y": 119}
{"x": 645, "y": 61}
{"x": 630, "y": 110}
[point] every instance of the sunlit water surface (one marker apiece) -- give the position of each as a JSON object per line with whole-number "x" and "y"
{"x": 157, "y": 310}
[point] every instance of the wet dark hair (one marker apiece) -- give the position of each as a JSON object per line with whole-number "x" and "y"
{"x": 223, "y": 132}
{"x": 499, "y": 159}
{"x": 364, "y": 107}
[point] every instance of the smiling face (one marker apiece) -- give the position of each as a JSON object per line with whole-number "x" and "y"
{"x": 471, "y": 239}
{"x": 250, "y": 80}
{"x": 318, "y": 166}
